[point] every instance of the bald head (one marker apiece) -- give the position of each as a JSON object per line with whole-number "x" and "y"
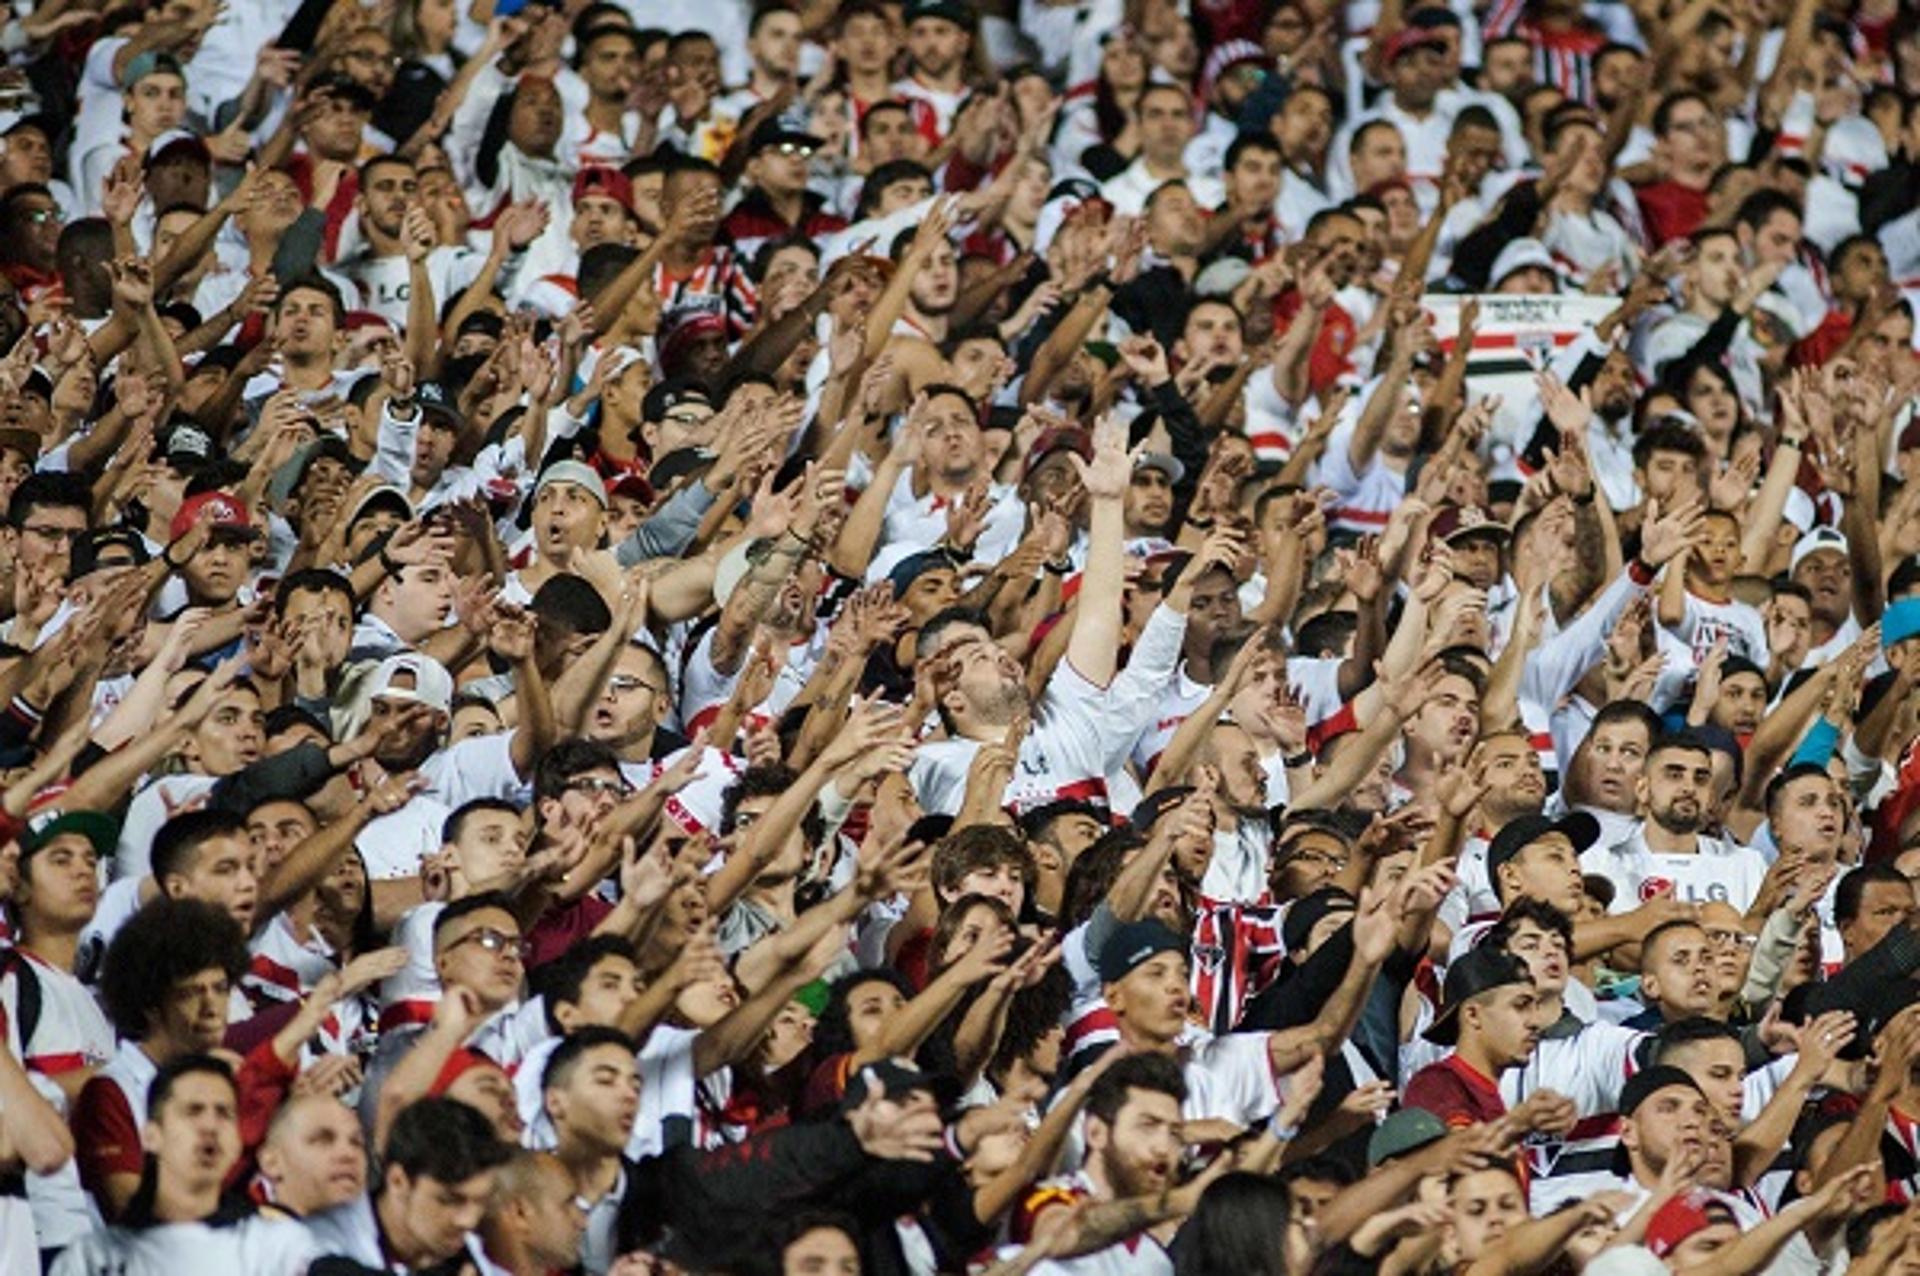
{"x": 315, "y": 1154}
{"x": 536, "y": 1206}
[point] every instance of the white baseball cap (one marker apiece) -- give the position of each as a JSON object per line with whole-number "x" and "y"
{"x": 1819, "y": 540}
{"x": 423, "y": 680}
{"x": 1518, "y": 255}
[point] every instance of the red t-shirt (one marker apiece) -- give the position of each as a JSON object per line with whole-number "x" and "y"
{"x": 1823, "y": 342}
{"x": 1331, "y": 356}
{"x": 1671, "y": 211}
{"x": 1456, "y": 1092}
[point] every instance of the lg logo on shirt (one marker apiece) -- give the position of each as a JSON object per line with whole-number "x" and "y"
{"x": 1714, "y": 892}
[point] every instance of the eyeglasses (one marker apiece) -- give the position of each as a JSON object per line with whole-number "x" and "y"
{"x": 497, "y": 942}
{"x": 1312, "y": 855}
{"x": 596, "y": 786}
{"x": 689, "y": 418}
{"x": 70, "y": 535}
{"x": 41, "y": 216}
{"x": 1731, "y": 939}
{"x": 794, "y": 150}
{"x": 622, "y": 683}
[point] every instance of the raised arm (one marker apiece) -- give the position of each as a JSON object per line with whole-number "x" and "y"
{"x": 1094, "y": 649}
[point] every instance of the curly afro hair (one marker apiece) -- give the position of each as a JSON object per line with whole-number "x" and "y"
{"x": 167, "y": 941}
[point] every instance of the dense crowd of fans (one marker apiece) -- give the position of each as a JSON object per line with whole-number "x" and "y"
{"x": 1093, "y": 637}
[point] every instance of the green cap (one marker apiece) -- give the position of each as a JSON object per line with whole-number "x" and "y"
{"x": 1407, "y": 1130}
{"x": 99, "y": 829}
{"x": 152, "y": 62}
{"x": 813, "y": 996}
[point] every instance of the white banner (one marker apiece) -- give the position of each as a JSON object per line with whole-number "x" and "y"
{"x": 1515, "y": 337}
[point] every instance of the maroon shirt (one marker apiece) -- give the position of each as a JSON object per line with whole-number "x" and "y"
{"x": 561, "y": 928}
{"x": 1456, "y": 1092}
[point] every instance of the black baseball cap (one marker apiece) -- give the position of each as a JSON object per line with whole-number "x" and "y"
{"x": 1157, "y": 804}
{"x": 347, "y": 89}
{"x": 1640, "y": 1087}
{"x": 100, "y": 543}
{"x": 670, "y": 394}
{"x": 187, "y": 446}
{"x": 678, "y": 464}
{"x": 1578, "y": 827}
{"x": 954, "y": 11}
{"x": 1133, "y": 946}
{"x": 1478, "y": 970}
{"x": 433, "y": 399}
{"x": 1308, "y": 911}
{"x": 896, "y": 1080}
{"x": 774, "y": 133}
{"x": 1644, "y": 1084}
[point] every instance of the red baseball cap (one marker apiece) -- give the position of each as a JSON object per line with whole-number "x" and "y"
{"x": 1066, "y": 438}
{"x": 597, "y": 179}
{"x": 221, "y": 510}
{"x": 1407, "y": 39}
{"x": 634, "y": 486}
{"x": 1690, "y": 1212}
{"x": 1457, "y": 522}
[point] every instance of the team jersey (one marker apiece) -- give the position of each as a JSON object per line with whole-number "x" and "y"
{"x": 392, "y": 846}
{"x": 1456, "y": 1092}
{"x": 1078, "y": 729}
{"x": 1139, "y": 1255}
{"x": 353, "y": 1231}
{"x": 1367, "y": 495}
{"x": 1236, "y": 952}
{"x": 1229, "y": 1078}
{"x": 151, "y": 807}
{"x": 1182, "y": 698}
{"x": 696, "y": 808}
{"x": 1719, "y": 871}
{"x": 384, "y": 285}
{"x": 1587, "y": 1063}
{"x": 705, "y": 690}
{"x": 107, "y": 1118}
{"x": 718, "y": 283}
{"x": 282, "y": 969}
{"x": 478, "y": 767}
{"x": 1472, "y": 898}
{"x": 932, "y": 110}
{"x": 237, "y": 1244}
{"x": 71, "y": 1032}
{"x": 409, "y": 995}
{"x": 913, "y": 523}
{"x": 1900, "y": 1150}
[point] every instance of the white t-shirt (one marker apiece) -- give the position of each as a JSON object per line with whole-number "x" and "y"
{"x": 151, "y": 807}
{"x": 248, "y": 1246}
{"x": 1367, "y": 496}
{"x": 1718, "y": 871}
{"x": 1706, "y": 622}
{"x": 384, "y": 285}
{"x": 478, "y": 767}
{"x": 392, "y": 845}
{"x": 1182, "y": 698}
{"x": 1078, "y": 728}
